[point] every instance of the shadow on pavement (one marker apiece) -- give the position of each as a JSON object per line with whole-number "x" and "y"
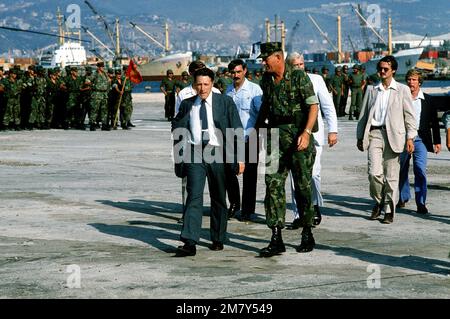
{"x": 154, "y": 233}
{"x": 432, "y": 266}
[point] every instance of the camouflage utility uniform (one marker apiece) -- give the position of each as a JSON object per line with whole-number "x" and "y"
{"x": 287, "y": 105}
{"x": 99, "y": 102}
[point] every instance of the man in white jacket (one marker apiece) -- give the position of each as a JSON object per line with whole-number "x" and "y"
{"x": 326, "y": 107}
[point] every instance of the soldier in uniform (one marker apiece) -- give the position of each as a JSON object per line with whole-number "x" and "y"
{"x": 52, "y": 89}
{"x": 73, "y": 85}
{"x": 99, "y": 102}
{"x": 85, "y": 95}
{"x": 184, "y": 82}
{"x": 356, "y": 82}
{"x": 168, "y": 88}
{"x": 290, "y": 106}
{"x": 344, "y": 97}
{"x": 337, "y": 88}
{"x": 13, "y": 88}
{"x": 38, "y": 103}
{"x": 26, "y": 97}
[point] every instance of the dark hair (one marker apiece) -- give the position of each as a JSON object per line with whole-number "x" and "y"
{"x": 195, "y": 65}
{"x": 204, "y": 72}
{"x": 388, "y": 59}
{"x": 235, "y": 63}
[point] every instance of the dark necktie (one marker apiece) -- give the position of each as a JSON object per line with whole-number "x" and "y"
{"x": 204, "y": 120}
{"x": 203, "y": 116}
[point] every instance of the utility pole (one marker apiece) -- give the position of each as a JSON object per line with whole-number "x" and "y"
{"x": 117, "y": 38}
{"x": 390, "y": 36}
{"x": 59, "y": 16}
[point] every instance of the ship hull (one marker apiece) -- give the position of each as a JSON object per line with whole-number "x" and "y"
{"x": 155, "y": 70}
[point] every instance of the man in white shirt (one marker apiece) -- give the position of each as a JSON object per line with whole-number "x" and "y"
{"x": 326, "y": 105}
{"x": 386, "y": 122}
{"x": 247, "y": 97}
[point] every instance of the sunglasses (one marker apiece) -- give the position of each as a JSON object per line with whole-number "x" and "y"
{"x": 384, "y": 69}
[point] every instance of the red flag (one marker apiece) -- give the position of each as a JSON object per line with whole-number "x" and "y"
{"x": 133, "y": 73}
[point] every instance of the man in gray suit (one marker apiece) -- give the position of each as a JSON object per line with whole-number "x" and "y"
{"x": 386, "y": 122}
{"x": 211, "y": 125}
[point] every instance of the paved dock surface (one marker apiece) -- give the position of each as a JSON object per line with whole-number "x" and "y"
{"x": 94, "y": 215}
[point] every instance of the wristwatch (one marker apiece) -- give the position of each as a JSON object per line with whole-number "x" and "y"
{"x": 307, "y": 130}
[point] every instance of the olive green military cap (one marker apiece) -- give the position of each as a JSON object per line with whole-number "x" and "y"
{"x": 118, "y": 71}
{"x": 269, "y": 48}
{"x": 100, "y": 64}
{"x": 338, "y": 69}
{"x": 73, "y": 68}
{"x": 184, "y": 73}
{"x": 110, "y": 71}
{"x": 356, "y": 67}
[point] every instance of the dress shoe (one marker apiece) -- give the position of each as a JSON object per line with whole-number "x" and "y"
{"x": 297, "y": 223}
{"x": 216, "y": 246}
{"x": 232, "y": 210}
{"x": 376, "y": 212}
{"x": 388, "y": 218}
{"x": 317, "y": 216}
{"x": 307, "y": 244}
{"x": 186, "y": 250}
{"x": 350, "y": 118}
{"x": 401, "y": 204}
{"x": 276, "y": 245}
{"x": 422, "y": 209}
{"x": 131, "y": 124}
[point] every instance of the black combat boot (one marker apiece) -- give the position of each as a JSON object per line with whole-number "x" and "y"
{"x": 308, "y": 242}
{"x": 276, "y": 245}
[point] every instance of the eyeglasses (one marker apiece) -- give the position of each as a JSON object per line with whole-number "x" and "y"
{"x": 383, "y": 69}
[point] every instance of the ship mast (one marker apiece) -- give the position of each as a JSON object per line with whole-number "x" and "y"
{"x": 59, "y": 16}
{"x": 167, "y": 37}
{"x": 390, "y": 36}
{"x": 117, "y": 39}
{"x": 339, "y": 42}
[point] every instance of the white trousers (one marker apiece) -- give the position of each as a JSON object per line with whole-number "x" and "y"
{"x": 317, "y": 198}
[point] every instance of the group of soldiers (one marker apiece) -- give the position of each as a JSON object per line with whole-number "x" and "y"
{"x": 341, "y": 82}
{"x": 40, "y": 98}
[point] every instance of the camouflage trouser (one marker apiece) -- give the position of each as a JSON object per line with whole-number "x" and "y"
{"x": 37, "y": 114}
{"x": 357, "y": 97}
{"x": 48, "y": 113}
{"x": 12, "y": 111}
{"x": 301, "y": 165}
{"x": 125, "y": 109}
{"x": 99, "y": 108}
{"x": 73, "y": 109}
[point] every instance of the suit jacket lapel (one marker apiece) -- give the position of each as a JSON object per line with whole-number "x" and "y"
{"x": 216, "y": 109}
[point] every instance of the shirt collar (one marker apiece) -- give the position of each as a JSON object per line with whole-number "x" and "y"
{"x": 198, "y": 100}
{"x": 420, "y": 95}
{"x": 393, "y": 85}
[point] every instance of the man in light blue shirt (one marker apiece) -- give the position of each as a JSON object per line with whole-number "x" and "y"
{"x": 247, "y": 97}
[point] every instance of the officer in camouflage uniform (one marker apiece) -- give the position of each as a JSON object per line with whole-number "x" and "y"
{"x": 73, "y": 85}
{"x": 111, "y": 98}
{"x": 99, "y": 102}
{"x": 85, "y": 96}
{"x": 167, "y": 86}
{"x": 52, "y": 90}
{"x": 337, "y": 88}
{"x": 38, "y": 103}
{"x": 290, "y": 106}
{"x": 13, "y": 87}
{"x": 356, "y": 82}
{"x": 26, "y": 97}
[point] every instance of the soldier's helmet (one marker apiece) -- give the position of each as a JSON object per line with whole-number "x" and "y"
{"x": 269, "y": 48}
